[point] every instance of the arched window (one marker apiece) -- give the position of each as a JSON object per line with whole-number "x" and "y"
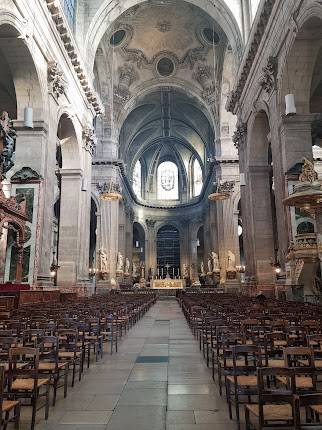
{"x": 168, "y": 181}
{"x": 70, "y": 12}
{"x": 197, "y": 178}
{"x": 137, "y": 179}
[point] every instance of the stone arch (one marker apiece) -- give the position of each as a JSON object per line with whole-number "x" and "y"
{"x": 109, "y": 13}
{"x": 296, "y": 76}
{"x": 20, "y": 59}
{"x": 70, "y": 148}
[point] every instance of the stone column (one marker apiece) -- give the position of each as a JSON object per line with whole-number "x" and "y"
{"x": 69, "y": 247}
{"x": 36, "y": 148}
{"x": 151, "y": 246}
{"x": 260, "y": 212}
{"x": 194, "y": 261}
{"x": 109, "y": 236}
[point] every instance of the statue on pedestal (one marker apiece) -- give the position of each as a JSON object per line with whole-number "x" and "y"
{"x": 209, "y": 266}
{"x": 185, "y": 271}
{"x": 202, "y": 269}
{"x": 119, "y": 264}
{"x": 215, "y": 262}
{"x": 103, "y": 263}
{"x": 127, "y": 267}
{"x": 134, "y": 270}
{"x": 142, "y": 271}
{"x": 231, "y": 265}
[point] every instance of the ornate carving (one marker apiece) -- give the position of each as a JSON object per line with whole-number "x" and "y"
{"x": 226, "y": 187}
{"x": 164, "y": 26}
{"x": 90, "y": 139}
{"x": 26, "y": 174}
{"x": 56, "y": 79}
{"x": 204, "y": 76}
{"x": 127, "y": 75}
{"x": 308, "y": 173}
{"x": 240, "y": 135}
{"x": 7, "y": 144}
{"x": 150, "y": 223}
{"x": 268, "y": 79}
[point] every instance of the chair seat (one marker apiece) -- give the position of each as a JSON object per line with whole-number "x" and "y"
{"x": 45, "y": 365}
{"x": 229, "y": 362}
{"x": 18, "y": 365}
{"x": 273, "y": 412}
{"x": 7, "y": 405}
{"x": 244, "y": 380}
{"x": 317, "y": 363}
{"x": 317, "y": 409}
{"x": 28, "y": 384}
{"x": 280, "y": 343}
{"x": 301, "y": 382}
{"x": 275, "y": 362}
{"x": 68, "y": 354}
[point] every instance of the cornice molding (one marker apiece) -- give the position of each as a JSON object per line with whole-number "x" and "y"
{"x": 249, "y": 56}
{"x": 67, "y": 38}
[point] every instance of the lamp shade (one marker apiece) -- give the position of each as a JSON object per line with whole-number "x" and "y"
{"x": 290, "y": 105}
{"x": 28, "y": 117}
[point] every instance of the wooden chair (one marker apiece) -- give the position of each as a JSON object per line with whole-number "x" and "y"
{"x": 275, "y": 407}
{"x": 71, "y": 351}
{"x": 10, "y": 409}
{"x": 243, "y": 379}
{"x": 310, "y": 417}
{"x": 50, "y": 365}
{"x": 25, "y": 383}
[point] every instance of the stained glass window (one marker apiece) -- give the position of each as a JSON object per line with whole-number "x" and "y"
{"x": 137, "y": 179}
{"x": 168, "y": 181}
{"x": 197, "y": 178}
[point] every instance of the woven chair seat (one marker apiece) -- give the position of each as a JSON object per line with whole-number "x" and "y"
{"x": 68, "y": 354}
{"x": 273, "y": 412}
{"x": 317, "y": 409}
{"x": 244, "y": 380}
{"x": 7, "y": 405}
{"x": 280, "y": 342}
{"x": 302, "y": 382}
{"x": 275, "y": 362}
{"x": 229, "y": 362}
{"x": 51, "y": 366}
{"x": 317, "y": 363}
{"x": 28, "y": 384}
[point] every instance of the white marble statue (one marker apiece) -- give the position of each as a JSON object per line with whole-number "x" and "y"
{"x": 120, "y": 263}
{"x": 127, "y": 266}
{"x": 209, "y": 265}
{"x": 215, "y": 262}
{"x": 103, "y": 260}
{"x": 134, "y": 269}
{"x": 202, "y": 269}
{"x": 231, "y": 260}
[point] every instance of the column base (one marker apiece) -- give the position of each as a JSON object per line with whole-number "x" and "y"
{"x": 45, "y": 281}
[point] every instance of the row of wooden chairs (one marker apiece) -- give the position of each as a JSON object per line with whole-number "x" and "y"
{"x": 250, "y": 344}
{"x": 41, "y": 345}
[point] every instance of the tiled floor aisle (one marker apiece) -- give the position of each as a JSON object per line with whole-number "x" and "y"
{"x": 158, "y": 380}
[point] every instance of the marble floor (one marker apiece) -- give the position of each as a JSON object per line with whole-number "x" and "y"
{"x": 158, "y": 380}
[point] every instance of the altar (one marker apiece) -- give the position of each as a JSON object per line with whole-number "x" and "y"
{"x": 168, "y": 284}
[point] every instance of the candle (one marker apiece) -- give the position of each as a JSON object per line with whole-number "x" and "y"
{"x": 162, "y": 272}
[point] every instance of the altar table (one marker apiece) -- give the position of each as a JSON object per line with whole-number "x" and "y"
{"x": 167, "y": 284}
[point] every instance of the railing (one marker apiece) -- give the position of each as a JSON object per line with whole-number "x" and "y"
{"x": 306, "y": 245}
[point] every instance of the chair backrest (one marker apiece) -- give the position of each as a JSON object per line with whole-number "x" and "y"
{"x": 269, "y": 393}
{"x": 246, "y": 359}
{"x": 306, "y": 400}
{"x": 293, "y": 354}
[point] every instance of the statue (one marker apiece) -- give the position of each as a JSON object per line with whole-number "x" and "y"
{"x": 134, "y": 270}
{"x": 215, "y": 262}
{"x": 7, "y": 143}
{"x": 127, "y": 266}
{"x": 185, "y": 271}
{"x": 231, "y": 260}
{"x": 142, "y": 270}
{"x": 119, "y": 264}
{"x": 103, "y": 261}
{"x": 202, "y": 269}
{"x": 308, "y": 173}
{"x": 209, "y": 266}
{"x": 152, "y": 270}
